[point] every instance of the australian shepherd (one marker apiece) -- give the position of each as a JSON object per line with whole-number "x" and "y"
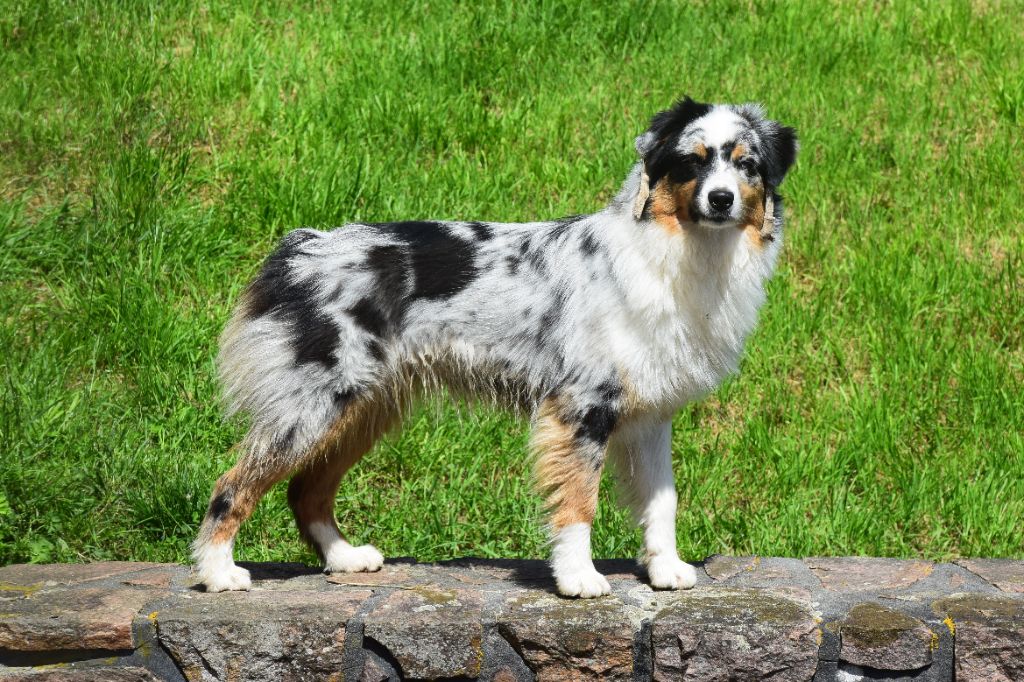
{"x": 598, "y": 327}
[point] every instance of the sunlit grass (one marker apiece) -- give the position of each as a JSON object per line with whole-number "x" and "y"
{"x": 152, "y": 153}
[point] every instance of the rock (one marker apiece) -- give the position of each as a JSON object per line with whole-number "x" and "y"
{"x": 759, "y": 572}
{"x": 388, "y": 576}
{"x": 1006, "y": 574}
{"x": 720, "y": 634}
{"x": 81, "y": 675}
{"x": 989, "y": 633}
{"x": 431, "y": 632}
{"x": 260, "y": 635}
{"x": 865, "y": 574}
{"x": 29, "y": 575}
{"x": 73, "y": 619}
{"x": 563, "y": 639}
{"x": 878, "y": 637}
{"x": 721, "y": 567}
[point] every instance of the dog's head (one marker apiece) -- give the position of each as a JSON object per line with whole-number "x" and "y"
{"x": 712, "y": 165}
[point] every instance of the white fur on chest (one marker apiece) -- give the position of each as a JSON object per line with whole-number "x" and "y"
{"x": 691, "y": 302}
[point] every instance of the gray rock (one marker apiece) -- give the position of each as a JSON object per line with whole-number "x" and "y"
{"x": 989, "y": 633}
{"x": 431, "y": 632}
{"x": 566, "y": 639}
{"x": 271, "y": 635}
{"x": 722, "y": 634}
{"x": 884, "y": 639}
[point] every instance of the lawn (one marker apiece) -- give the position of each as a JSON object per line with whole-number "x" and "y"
{"x": 151, "y": 153}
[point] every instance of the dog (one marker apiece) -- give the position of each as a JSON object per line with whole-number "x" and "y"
{"x": 600, "y": 327}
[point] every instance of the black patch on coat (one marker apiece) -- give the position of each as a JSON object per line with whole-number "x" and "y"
{"x": 273, "y": 289}
{"x": 662, "y": 157}
{"x": 368, "y": 315}
{"x": 343, "y": 397}
{"x": 219, "y": 506}
{"x": 314, "y": 336}
{"x": 382, "y": 314}
{"x": 482, "y": 231}
{"x": 588, "y": 244}
{"x": 597, "y": 423}
{"x": 442, "y": 264}
{"x": 287, "y": 439}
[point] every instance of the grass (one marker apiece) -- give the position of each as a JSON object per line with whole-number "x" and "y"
{"x": 152, "y": 153}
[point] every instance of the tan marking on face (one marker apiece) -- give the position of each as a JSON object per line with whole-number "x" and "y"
{"x": 738, "y": 151}
{"x": 567, "y": 480}
{"x": 701, "y": 151}
{"x": 752, "y": 198}
{"x": 670, "y": 203}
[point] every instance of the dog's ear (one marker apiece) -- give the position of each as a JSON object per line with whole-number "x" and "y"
{"x": 643, "y": 145}
{"x": 781, "y": 146}
{"x": 655, "y": 145}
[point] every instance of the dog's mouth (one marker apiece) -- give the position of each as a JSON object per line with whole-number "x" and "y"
{"x": 713, "y": 218}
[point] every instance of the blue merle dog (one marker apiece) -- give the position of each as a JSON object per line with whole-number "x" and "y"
{"x": 600, "y": 327}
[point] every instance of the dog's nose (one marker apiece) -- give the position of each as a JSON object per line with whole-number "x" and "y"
{"x": 720, "y": 199}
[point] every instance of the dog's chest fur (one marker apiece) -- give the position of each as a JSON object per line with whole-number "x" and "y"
{"x": 691, "y": 300}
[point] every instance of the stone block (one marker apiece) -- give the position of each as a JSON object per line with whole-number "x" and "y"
{"x": 722, "y": 634}
{"x": 260, "y": 635}
{"x": 867, "y": 574}
{"x": 989, "y": 634}
{"x": 431, "y": 632}
{"x": 881, "y": 638}
{"x": 73, "y": 619}
{"x": 567, "y": 639}
{"x": 1006, "y": 574}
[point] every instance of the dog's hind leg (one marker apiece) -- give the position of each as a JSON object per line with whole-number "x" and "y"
{"x": 641, "y": 456}
{"x": 311, "y": 492}
{"x": 569, "y": 443}
{"x": 234, "y": 497}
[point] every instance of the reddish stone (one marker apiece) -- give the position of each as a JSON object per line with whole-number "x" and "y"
{"x": 386, "y": 577}
{"x": 989, "y": 634}
{"x": 28, "y": 575}
{"x": 430, "y": 631}
{"x": 81, "y": 675}
{"x": 865, "y": 574}
{"x": 73, "y": 619}
{"x": 1006, "y": 574}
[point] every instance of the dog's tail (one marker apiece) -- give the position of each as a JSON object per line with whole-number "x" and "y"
{"x": 289, "y": 401}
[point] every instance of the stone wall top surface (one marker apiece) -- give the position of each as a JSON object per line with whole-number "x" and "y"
{"x": 748, "y": 618}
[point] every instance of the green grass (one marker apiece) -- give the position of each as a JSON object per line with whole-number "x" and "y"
{"x": 152, "y": 153}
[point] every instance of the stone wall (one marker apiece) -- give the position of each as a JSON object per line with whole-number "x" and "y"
{"x": 747, "y": 619}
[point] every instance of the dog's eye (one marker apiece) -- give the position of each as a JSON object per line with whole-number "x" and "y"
{"x": 748, "y": 165}
{"x": 689, "y": 159}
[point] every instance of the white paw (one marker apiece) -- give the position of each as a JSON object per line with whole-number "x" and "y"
{"x": 583, "y": 583}
{"x": 227, "y": 578}
{"x": 348, "y": 559}
{"x": 671, "y": 573}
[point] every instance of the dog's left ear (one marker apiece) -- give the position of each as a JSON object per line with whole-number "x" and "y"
{"x": 781, "y": 146}
{"x": 644, "y": 143}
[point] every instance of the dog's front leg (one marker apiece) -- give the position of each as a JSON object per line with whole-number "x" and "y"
{"x": 642, "y": 459}
{"x": 569, "y": 443}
